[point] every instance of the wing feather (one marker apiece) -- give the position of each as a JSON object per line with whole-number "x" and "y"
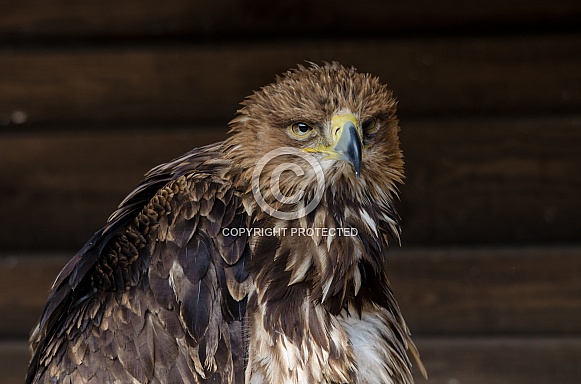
{"x": 147, "y": 299}
{"x": 195, "y": 258}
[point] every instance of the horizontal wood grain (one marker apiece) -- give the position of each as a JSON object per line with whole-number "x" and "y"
{"x": 204, "y": 83}
{"x": 448, "y": 360}
{"x": 14, "y": 358}
{"x": 495, "y": 180}
{"x": 98, "y": 18}
{"x": 510, "y": 360}
{"x": 59, "y": 189}
{"x": 469, "y": 181}
{"x": 486, "y": 291}
{"x": 94, "y": 93}
{"x": 511, "y": 291}
{"x": 25, "y": 283}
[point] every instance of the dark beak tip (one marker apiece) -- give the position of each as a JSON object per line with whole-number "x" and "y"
{"x": 350, "y": 147}
{"x": 355, "y": 150}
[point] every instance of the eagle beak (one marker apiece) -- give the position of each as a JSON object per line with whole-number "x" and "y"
{"x": 346, "y": 140}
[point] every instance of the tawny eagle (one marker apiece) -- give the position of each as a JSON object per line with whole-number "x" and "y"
{"x": 259, "y": 259}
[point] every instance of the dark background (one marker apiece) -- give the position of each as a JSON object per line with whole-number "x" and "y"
{"x": 94, "y": 93}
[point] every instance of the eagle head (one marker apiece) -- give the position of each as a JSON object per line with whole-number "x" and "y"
{"x": 323, "y": 128}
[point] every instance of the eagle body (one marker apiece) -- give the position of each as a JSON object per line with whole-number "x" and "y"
{"x": 218, "y": 269}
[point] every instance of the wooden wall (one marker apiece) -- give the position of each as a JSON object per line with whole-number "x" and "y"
{"x": 94, "y": 93}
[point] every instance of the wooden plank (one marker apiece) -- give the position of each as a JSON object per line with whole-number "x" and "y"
{"x": 98, "y": 18}
{"x": 14, "y": 358}
{"x": 510, "y": 360}
{"x": 201, "y": 83}
{"x": 489, "y": 290}
{"x": 25, "y": 283}
{"x": 60, "y": 189}
{"x": 448, "y": 292}
{"x": 469, "y": 181}
{"x": 492, "y": 181}
{"x": 448, "y": 360}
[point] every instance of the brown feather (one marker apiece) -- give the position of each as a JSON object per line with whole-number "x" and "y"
{"x": 163, "y": 293}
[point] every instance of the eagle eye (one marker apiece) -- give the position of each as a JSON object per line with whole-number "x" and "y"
{"x": 369, "y": 126}
{"x": 301, "y": 129}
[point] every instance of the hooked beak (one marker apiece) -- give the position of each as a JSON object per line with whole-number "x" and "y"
{"x": 346, "y": 140}
{"x": 347, "y": 145}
